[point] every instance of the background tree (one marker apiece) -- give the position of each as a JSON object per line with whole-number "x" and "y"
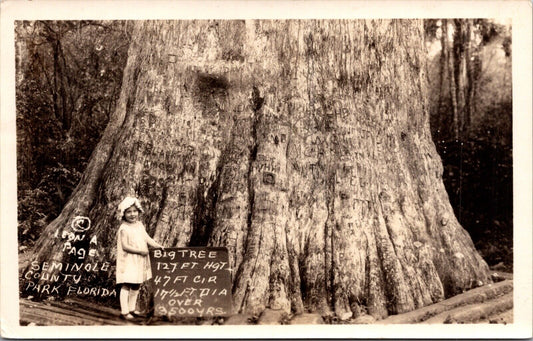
{"x": 302, "y": 146}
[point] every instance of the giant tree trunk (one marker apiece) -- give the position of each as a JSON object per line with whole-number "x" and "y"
{"x": 301, "y": 146}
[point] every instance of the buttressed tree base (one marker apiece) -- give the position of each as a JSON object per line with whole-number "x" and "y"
{"x": 302, "y": 146}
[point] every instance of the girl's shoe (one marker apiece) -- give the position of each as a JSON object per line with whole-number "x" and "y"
{"x": 136, "y": 313}
{"x": 127, "y": 317}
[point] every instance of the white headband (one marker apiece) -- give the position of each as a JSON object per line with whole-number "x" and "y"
{"x": 127, "y": 203}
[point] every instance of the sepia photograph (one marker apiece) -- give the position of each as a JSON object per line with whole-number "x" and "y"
{"x": 217, "y": 173}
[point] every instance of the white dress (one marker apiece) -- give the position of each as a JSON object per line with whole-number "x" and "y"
{"x": 131, "y": 267}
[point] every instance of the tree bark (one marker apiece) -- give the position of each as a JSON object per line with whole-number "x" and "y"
{"x": 301, "y": 146}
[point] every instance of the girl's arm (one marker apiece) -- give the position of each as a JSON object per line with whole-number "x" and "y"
{"x": 128, "y": 248}
{"x": 152, "y": 242}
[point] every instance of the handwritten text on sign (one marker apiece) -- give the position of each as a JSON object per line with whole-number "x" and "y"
{"x": 194, "y": 281}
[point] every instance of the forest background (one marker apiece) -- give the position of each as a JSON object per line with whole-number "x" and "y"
{"x": 69, "y": 76}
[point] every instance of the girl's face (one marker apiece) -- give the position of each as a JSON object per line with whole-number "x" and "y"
{"x": 131, "y": 214}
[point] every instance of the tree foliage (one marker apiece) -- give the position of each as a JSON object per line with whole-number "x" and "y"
{"x": 68, "y": 79}
{"x": 471, "y": 121}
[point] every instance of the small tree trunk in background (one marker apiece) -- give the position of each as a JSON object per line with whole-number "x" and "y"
{"x": 462, "y": 73}
{"x": 66, "y": 103}
{"x": 56, "y": 97}
{"x": 470, "y": 89}
{"x": 451, "y": 78}
{"x": 442, "y": 124}
{"x": 24, "y": 154}
{"x": 301, "y": 146}
{"x": 459, "y": 63}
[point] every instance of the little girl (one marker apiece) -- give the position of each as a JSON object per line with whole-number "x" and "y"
{"x": 133, "y": 263}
